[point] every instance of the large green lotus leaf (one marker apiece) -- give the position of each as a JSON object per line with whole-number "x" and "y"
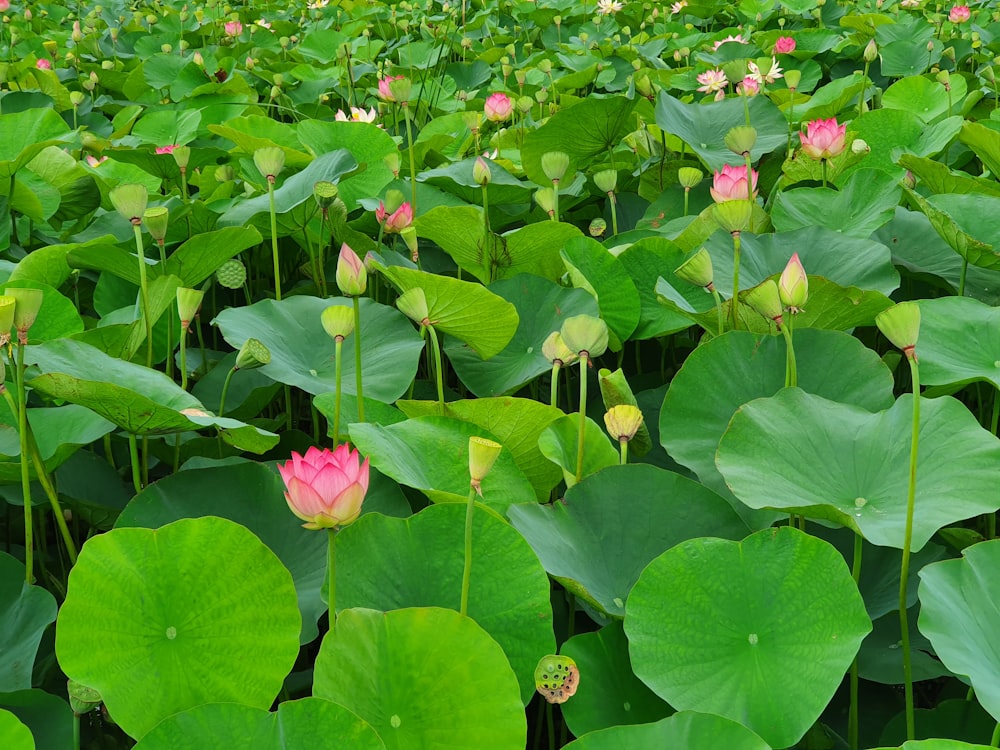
{"x": 296, "y": 725}
{"x": 728, "y": 371}
{"x": 457, "y": 178}
{"x": 829, "y": 100}
{"x": 201, "y": 256}
{"x": 49, "y": 717}
{"x": 517, "y": 423}
{"x": 57, "y": 316}
{"x": 964, "y": 720}
{"x": 431, "y": 454}
{"x": 611, "y": 694}
{"x": 164, "y": 127}
{"x": 103, "y": 256}
{"x": 255, "y": 132}
{"x": 865, "y": 201}
{"x": 952, "y": 218}
{"x": 199, "y": 611}
{"x": 928, "y": 99}
{"x": 29, "y": 133}
{"x": 645, "y": 262}
{"x": 958, "y": 613}
{"x": 559, "y": 443}
{"x": 590, "y": 128}
{"x": 597, "y": 542}
{"x": 847, "y": 465}
{"x": 959, "y": 341}
{"x": 251, "y": 495}
{"x": 984, "y": 141}
{"x": 25, "y": 612}
{"x": 703, "y": 127}
{"x": 840, "y": 258}
{"x": 888, "y": 132}
{"x": 368, "y": 144}
{"x": 593, "y": 268}
{"x": 424, "y": 678}
{"x": 469, "y": 312}
{"x": 759, "y": 631}
{"x": 938, "y": 178}
{"x": 685, "y": 730}
{"x": 391, "y": 563}
{"x": 531, "y": 249}
{"x": 13, "y": 734}
{"x": 541, "y": 308}
{"x": 937, "y": 745}
{"x": 302, "y": 353}
{"x": 881, "y": 659}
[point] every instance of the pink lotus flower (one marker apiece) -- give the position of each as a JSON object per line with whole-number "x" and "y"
{"x": 4, "y": 6}
{"x": 793, "y": 285}
{"x": 678, "y": 7}
{"x": 823, "y": 139}
{"x": 764, "y": 75}
{"x": 749, "y": 86}
{"x": 325, "y": 488}
{"x": 94, "y": 162}
{"x": 959, "y": 14}
{"x": 398, "y": 220}
{"x": 731, "y": 184}
{"x": 167, "y": 149}
{"x": 783, "y": 45}
{"x": 233, "y": 28}
{"x": 738, "y": 39}
{"x": 352, "y": 276}
{"x": 43, "y": 63}
{"x": 498, "y": 107}
{"x": 607, "y": 7}
{"x": 385, "y": 90}
{"x": 712, "y": 81}
{"x": 357, "y": 115}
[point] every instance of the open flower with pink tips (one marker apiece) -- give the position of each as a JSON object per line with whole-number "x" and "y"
{"x": 731, "y": 184}
{"x": 358, "y": 114}
{"x": 712, "y": 81}
{"x": 959, "y": 14}
{"x": 325, "y": 488}
{"x": 823, "y": 139}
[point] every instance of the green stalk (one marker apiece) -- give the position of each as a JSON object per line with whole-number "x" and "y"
{"x": 852, "y": 718}
{"x": 991, "y": 518}
{"x": 861, "y": 99}
{"x": 413, "y": 163}
{"x": 736, "y": 279}
{"x": 338, "y": 346}
{"x": 144, "y": 294}
{"x": 904, "y": 571}
{"x": 554, "y": 386}
{"x": 50, "y": 492}
{"x": 584, "y": 356}
{"x": 791, "y": 370}
{"x": 718, "y": 308}
{"x": 331, "y": 575}
{"x": 995, "y": 739}
{"x": 624, "y": 451}
{"x": 486, "y": 212}
{"x": 822, "y": 166}
{"x": 357, "y": 358}
{"x": 438, "y": 371}
{"x": 614, "y": 212}
{"x": 274, "y": 240}
{"x": 555, "y": 200}
{"x": 184, "y": 369}
{"x": 22, "y": 431}
{"x": 467, "y": 571}
{"x": 321, "y": 271}
{"x": 133, "y": 453}
{"x": 225, "y": 390}
{"x": 961, "y": 278}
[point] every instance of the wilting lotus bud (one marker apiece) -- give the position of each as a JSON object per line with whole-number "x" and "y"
{"x": 352, "y": 278}
{"x": 481, "y": 171}
{"x": 26, "y": 306}
{"x": 545, "y": 198}
{"x": 338, "y": 321}
{"x": 325, "y": 193}
{"x": 231, "y": 274}
{"x": 697, "y": 270}
{"x": 130, "y": 201}
{"x": 413, "y": 304}
{"x": 557, "y": 678}
{"x": 82, "y": 699}
{"x": 182, "y": 155}
{"x": 733, "y": 216}
{"x": 253, "y": 354}
{"x": 606, "y": 180}
{"x": 623, "y": 421}
{"x": 740, "y": 140}
{"x": 554, "y": 349}
{"x": 270, "y": 160}
{"x": 555, "y": 164}
{"x": 188, "y": 303}
{"x": 793, "y": 286}
{"x": 483, "y": 454}
{"x": 793, "y": 78}
{"x": 689, "y": 177}
{"x": 585, "y": 334}
{"x": 597, "y": 227}
{"x": 155, "y": 220}
{"x": 871, "y": 52}
{"x": 901, "y": 325}
{"x": 766, "y": 300}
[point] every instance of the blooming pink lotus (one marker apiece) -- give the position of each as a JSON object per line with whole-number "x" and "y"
{"x": 783, "y": 45}
{"x": 4, "y": 6}
{"x": 712, "y": 81}
{"x": 167, "y": 149}
{"x": 823, "y": 139}
{"x": 749, "y": 86}
{"x": 233, "y": 28}
{"x": 498, "y": 107}
{"x": 385, "y": 90}
{"x": 94, "y": 162}
{"x": 43, "y": 63}
{"x": 959, "y": 14}
{"x": 358, "y": 114}
{"x": 325, "y": 488}
{"x": 766, "y": 74}
{"x": 731, "y": 184}
{"x": 398, "y": 220}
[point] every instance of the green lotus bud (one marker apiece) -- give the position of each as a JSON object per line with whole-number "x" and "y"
{"x": 130, "y": 201}
{"x": 545, "y": 66}
{"x": 182, "y": 155}
{"x": 901, "y": 325}
{"x": 697, "y": 270}
{"x": 740, "y": 140}
{"x": 524, "y": 104}
{"x": 557, "y": 678}
{"x": 871, "y": 52}
{"x": 793, "y": 78}
{"x": 231, "y": 274}
{"x": 483, "y": 454}
{"x": 409, "y": 235}
{"x": 766, "y": 300}
{"x": 26, "y": 306}
{"x": 338, "y": 321}
{"x": 733, "y": 216}
{"x": 393, "y": 200}
{"x": 225, "y": 173}
{"x": 606, "y": 180}
{"x": 325, "y": 193}
{"x": 793, "y": 286}
{"x": 554, "y": 349}
{"x": 156, "y": 222}
{"x": 413, "y": 304}
{"x": 253, "y": 354}
{"x": 270, "y": 160}
{"x": 392, "y": 162}
{"x": 352, "y": 278}
{"x": 597, "y": 227}
{"x": 82, "y": 699}
{"x": 623, "y": 421}
{"x": 76, "y": 98}
{"x": 585, "y": 335}
{"x": 555, "y": 164}
{"x": 689, "y": 177}
{"x": 481, "y": 171}
{"x": 188, "y": 303}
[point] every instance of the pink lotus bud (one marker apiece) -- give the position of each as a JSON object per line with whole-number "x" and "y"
{"x": 233, "y": 28}
{"x": 166, "y": 149}
{"x": 325, "y": 488}
{"x": 959, "y": 14}
{"x": 4, "y": 6}
{"x": 784, "y": 45}
{"x": 352, "y": 277}
{"x": 749, "y": 86}
{"x": 498, "y": 107}
{"x": 43, "y": 63}
{"x": 823, "y": 139}
{"x": 731, "y": 184}
{"x": 793, "y": 286}
{"x": 398, "y": 220}
{"x": 385, "y": 89}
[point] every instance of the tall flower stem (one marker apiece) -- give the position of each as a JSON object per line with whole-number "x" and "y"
{"x": 791, "y": 370}
{"x": 225, "y": 390}
{"x": 614, "y": 212}
{"x": 22, "y": 429}
{"x": 554, "y": 385}
{"x": 184, "y": 369}
{"x": 470, "y": 509}
{"x": 584, "y": 359}
{"x": 338, "y": 360}
{"x": 852, "y": 717}
{"x": 413, "y": 163}
{"x": 274, "y": 239}
{"x": 144, "y": 293}
{"x": 904, "y": 571}
{"x": 822, "y": 166}
{"x": 321, "y": 256}
{"x": 624, "y": 451}
{"x": 133, "y": 453}
{"x": 734, "y": 302}
{"x": 50, "y": 491}
{"x": 555, "y": 200}
{"x": 438, "y": 370}
{"x": 357, "y": 358}
{"x": 718, "y": 307}
{"x": 331, "y": 575}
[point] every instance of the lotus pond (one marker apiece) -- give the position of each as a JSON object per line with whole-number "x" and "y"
{"x": 514, "y": 375}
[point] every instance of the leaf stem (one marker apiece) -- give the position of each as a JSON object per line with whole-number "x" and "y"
{"x": 225, "y": 390}
{"x": 22, "y": 429}
{"x": 274, "y": 239}
{"x": 357, "y": 359}
{"x": 338, "y": 362}
{"x": 331, "y": 575}
{"x": 144, "y": 294}
{"x": 438, "y": 374}
{"x": 852, "y": 719}
{"x": 904, "y": 571}
{"x": 133, "y": 453}
{"x": 584, "y": 357}
{"x": 736, "y": 280}
{"x": 413, "y": 163}
{"x": 467, "y": 571}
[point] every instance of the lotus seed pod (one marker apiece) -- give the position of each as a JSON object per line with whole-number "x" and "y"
{"x": 253, "y": 354}
{"x": 793, "y": 78}
{"x": 338, "y": 321}
{"x": 188, "y": 303}
{"x": 231, "y": 274}
{"x": 413, "y": 304}
{"x": 557, "y": 678}
{"x": 689, "y": 177}
{"x": 766, "y": 300}
{"x": 901, "y": 325}
{"x": 155, "y": 220}
{"x": 585, "y": 333}
{"x": 82, "y": 699}
{"x": 270, "y": 160}
{"x": 483, "y": 454}
{"x": 76, "y": 98}
{"x": 859, "y": 146}
{"x": 606, "y": 180}
{"x": 597, "y": 227}
{"x": 182, "y": 155}
{"x": 740, "y": 140}
{"x": 27, "y": 304}
{"x": 225, "y": 173}
{"x": 352, "y": 278}
{"x": 130, "y": 201}
{"x": 697, "y": 270}
{"x": 409, "y": 235}
{"x": 325, "y": 193}
{"x": 623, "y": 421}
{"x": 554, "y": 349}
{"x": 555, "y": 164}
{"x": 793, "y": 286}
{"x": 545, "y": 198}
{"x": 7, "y": 305}
{"x": 733, "y": 216}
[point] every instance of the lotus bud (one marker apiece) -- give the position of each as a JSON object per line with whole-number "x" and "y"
{"x": 793, "y": 286}
{"x": 26, "y": 306}
{"x": 623, "y": 421}
{"x": 225, "y": 173}
{"x": 253, "y": 354}
{"x": 483, "y": 454}
{"x": 585, "y": 335}
{"x": 859, "y": 146}
{"x": 740, "y": 140}
{"x": 901, "y": 325}
{"x": 409, "y": 235}
{"x": 156, "y": 222}
{"x": 597, "y": 227}
{"x": 545, "y": 198}
{"x": 871, "y": 52}
{"x": 392, "y": 163}
{"x": 76, "y": 98}
{"x": 545, "y": 66}
{"x": 697, "y": 270}
{"x": 198, "y": 60}
{"x": 130, "y": 201}
{"x": 606, "y": 180}
{"x": 182, "y": 155}
{"x": 554, "y": 349}
{"x": 557, "y": 678}
{"x": 766, "y": 300}
{"x": 401, "y": 89}
{"x": 393, "y": 200}
{"x": 325, "y": 193}
{"x": 51, "y": 47}
{"x": 338, "y": 321}
{"x": 82, "y": 699}
{"x": 689, "y": 177}
{"x": 555, "y": 164}
{"x": 524, "y": 104}
{"x": 7, "y": 306}
{"x": 481, "y": 171}
{"x": 231, "y": 274}
{"x": 270, "y": 160}
{"x": 733, "y": 216}
{"x": 352, "y": 278}
{"x": 188, "y": 304}
{"x": 166, "y": 48}
{"x": 793, "y": 78}
{"x": 275, "y": 93}
{"x": 413, "y": 304}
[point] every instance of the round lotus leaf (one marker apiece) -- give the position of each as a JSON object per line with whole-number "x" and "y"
{"x": 25, "y": 612}
{"x": 687, "y": 730}
{"x": 13, "y": 734}
{"x": 158, "y": 621}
